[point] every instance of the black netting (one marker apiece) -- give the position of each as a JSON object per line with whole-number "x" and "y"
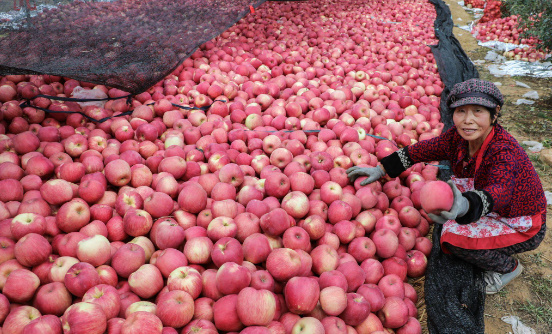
{"x": 126, "y": 44}
{"x": 454, "y": 289}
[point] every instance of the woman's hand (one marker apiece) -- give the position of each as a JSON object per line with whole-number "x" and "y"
{"x": 373, "y": 173}
{"x": 459, "y": 208}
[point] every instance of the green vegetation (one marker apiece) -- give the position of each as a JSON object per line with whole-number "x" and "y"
{"x": 539, "y": 306}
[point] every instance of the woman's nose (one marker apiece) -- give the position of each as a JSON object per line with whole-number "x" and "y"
{"x": 468, "y": 117}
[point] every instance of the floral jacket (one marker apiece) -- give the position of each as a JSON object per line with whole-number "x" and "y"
{"x": 505, "y": 182}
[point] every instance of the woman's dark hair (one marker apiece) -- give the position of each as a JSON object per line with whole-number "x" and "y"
{"x": 494, "y": 112}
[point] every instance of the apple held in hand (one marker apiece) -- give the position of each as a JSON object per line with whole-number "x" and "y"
{"x": 436, "y": 196}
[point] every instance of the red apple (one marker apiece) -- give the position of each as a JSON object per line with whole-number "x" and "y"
{"x": 232, "y": 278}
{"x": 226, "y": 315}
{"x": 167, "y": 233}
{"x": 47, "y": 324}
{"x": 436, "y": 196}
{"x": 308, "y": 325}
{"x": 175, "y": 308}
{"x": 127, "y": 259}
{"x": 60, "y": 267}
{"x": 301, "y": 294}
{"x": 296, "y": 204}
{"x": 84, "y": 317}
{"x": 20, "y": 285}
{"x": 52, "y": 298}
{"x": 283, "y": 264}
{"x": 227, "y": 250}
{"x": 118, "y": 172}
{"x": 256, "y": 248}
{"x": 362, "y": 248}
{"x": 394, "y": 313}
{"x": 107, "y": 297}
{"x": 333, "y": 300}
{"x": 275, "y": 222}
{"x": 277, "y": 185}
{"x": 146, "y": 282}
{"x": 167, "y": 260}
{"x": 137, "y": 222}
{"x": 373, "y": 295}
{"x": 95, "y": 250}
{"x": 186, "y": 279}
{"x": 356, "y": 311}
{"x": 142, "y": 322}
{"x": 198, "y": 250}
{"x": 256, "y": 307}
{"x": 296, "y": 238}
{"x": 192, "y": 198}
{"x": 416, "y": 263}
{"x": 31, "y": 250}
{"x": 25, "y": 223}
{"x": 73, "y": 215}
{"x": 19, "y": 318}
{"x": 412, "y": 326}
{"x": 324, "y": 258}
{"x": 386, "y": 242}
{"x": 81, "y": 277}
{"x": 391, "y": 285}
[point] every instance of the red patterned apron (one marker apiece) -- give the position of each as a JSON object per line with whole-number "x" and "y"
{"x": 491, "y": 231}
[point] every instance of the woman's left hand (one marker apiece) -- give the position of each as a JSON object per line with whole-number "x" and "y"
{"x": 459, "y": 208}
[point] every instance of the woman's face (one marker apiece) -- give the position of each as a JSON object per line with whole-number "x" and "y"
{"x": 473, "y": 122}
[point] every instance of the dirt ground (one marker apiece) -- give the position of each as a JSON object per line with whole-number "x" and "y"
{"x": 529, "y": 296}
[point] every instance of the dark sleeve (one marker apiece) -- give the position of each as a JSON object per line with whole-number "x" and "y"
{"x": 397, "y": 162}
{"x": 434, "y": 149}
{"x": 481, "y": 203}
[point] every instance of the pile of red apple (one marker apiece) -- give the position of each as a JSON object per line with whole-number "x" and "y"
{"x": 475, "y": 3}
{"x": 492, "y": 11}
{"x": 238, "y": 219}
{"x": 506, "y": 30}
{"x": 143, "y": 38}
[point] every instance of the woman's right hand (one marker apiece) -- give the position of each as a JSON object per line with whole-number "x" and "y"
{"x": 372, "y": 173}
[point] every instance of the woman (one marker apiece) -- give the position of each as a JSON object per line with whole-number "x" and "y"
{"x": 499, "y": 203}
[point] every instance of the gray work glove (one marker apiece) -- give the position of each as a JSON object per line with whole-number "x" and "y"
{"x": 373, "y": 173}
{"x": 459, "y": 208}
